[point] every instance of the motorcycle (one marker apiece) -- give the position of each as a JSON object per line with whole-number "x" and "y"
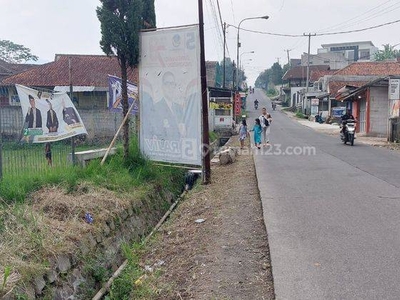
{"x": 348, "y": 131}
{"x": 255, "y": 105}
{"x": 273, "y": 106}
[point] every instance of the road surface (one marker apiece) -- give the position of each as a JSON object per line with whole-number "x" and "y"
{"x": 332, "y": 213}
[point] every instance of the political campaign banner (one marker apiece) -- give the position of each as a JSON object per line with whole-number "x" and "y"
{"x": 48, "y": 117}
{"x": 170, "y": 95}
{"x": 115, "y": 95}
{"x": 394, "y": 97}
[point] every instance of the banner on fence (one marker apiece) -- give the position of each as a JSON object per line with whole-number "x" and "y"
{"x": 48, "y": 117}
{"x": 115, "y": 92}
{"x": 170, "y": 95}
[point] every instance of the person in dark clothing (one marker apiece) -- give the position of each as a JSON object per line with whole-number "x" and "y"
{"x": 347, "y": 116}
{"x": 33, "y": 118}
{"x": 52, "y": 120}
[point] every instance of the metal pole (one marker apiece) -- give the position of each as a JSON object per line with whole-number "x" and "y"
{"x": 308, "y": 60}
{"x": 308, "y": 73}
{"x": 206, "y": 174}
{"x": 71, "y": 89}
{"x": 237, "y": 56}
{"x": 238, "y": 46}
{"x": 224, "y": 63}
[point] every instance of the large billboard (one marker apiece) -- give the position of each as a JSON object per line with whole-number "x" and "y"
{"x": 48, "y": 117}
{"x": 115, "y": 95}
{"x": 170, "y": 95}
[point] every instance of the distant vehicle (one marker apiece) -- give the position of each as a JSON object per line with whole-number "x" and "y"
{"x": 256, "y": 104}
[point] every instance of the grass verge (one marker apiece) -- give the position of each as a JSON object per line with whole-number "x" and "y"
{"x": 43, "y": 215}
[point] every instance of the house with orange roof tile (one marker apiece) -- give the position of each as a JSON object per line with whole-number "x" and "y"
{"x": 371, "y": 91}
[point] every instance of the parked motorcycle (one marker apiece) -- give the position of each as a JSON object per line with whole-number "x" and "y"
{"x": 348, "y": 131}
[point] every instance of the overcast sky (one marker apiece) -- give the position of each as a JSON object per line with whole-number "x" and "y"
{"x": 49, "y": 27}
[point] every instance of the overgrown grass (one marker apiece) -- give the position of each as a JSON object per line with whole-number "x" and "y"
{"x": 133, "y": 283}
{"x": 116, "y": 174}
{"x": 27, "y": 233}
{"x": 299, "y": 114}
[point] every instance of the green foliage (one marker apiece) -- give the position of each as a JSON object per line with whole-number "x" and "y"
{"x": 14, "y": 53}
{"x": 131, "y": 284}
{"x": 229, "y": 72}
{"x": 121, "y": 22}
{"x": 388, "y": 52}
{"x": 213, "y": 136}
{"x": 270, "y": 76}
{"x": 272, "y": 92}
{"x": 117, "y": 174}
{"x": 7, "y": 272}
{"x": 299, "y": 114}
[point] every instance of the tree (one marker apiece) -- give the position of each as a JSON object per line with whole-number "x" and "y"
{"x": 229, "y": 72}
{"x": 121, "y": 22}
{"x": 14, "y": 53}
{"x": 276, "y": 73}
{"x": 388, "y": 52}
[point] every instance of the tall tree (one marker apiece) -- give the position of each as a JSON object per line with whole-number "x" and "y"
{"x": 121, "y": 22}
{"x": 388, "y": 52}
{"x": 276, "y": 73}
{"x": 14, "y": 53}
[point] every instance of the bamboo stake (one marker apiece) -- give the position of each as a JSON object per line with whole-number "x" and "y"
{"x": 118, "y": 131}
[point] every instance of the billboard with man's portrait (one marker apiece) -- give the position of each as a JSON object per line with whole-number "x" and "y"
{"x": 48, "y": 116}
{"x": 170, "y": 95}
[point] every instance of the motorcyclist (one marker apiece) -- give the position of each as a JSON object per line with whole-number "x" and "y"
{"x": 256, "y": 104}
{"x": 347, "y": 116}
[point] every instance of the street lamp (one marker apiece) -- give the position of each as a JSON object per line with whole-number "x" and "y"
{"x": 238, "y": 46}
{"x": 248, "y": 52}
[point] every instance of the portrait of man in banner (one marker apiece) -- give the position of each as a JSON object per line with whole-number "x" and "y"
{"x": 170, "y": 96}
{"x": 48, "y": 116}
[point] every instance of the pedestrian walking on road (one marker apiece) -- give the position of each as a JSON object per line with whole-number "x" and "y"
{"x": 243, "y": 133}
{"x": 265, "y": 120}
{"x": 257, "y": 133}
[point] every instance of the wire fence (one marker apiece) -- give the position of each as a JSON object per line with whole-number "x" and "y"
{"x": 21, "y": 158}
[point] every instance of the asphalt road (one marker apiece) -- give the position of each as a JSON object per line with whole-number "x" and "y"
{"x": 332, "y": 213}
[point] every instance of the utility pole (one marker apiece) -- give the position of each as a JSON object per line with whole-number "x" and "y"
{"x": 288, "y": 58}
{"x": 277, "y": 59}
{"x": 308, "y": 70}
{"x": 308, "y": 59}
{"x": 206, "y": 168}
{"x": 224, "y": 63}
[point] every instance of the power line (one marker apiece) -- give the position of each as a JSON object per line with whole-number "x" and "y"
{"x": 381, "y": 12}
{"x": 354, "y": 18}
{"x": 359, "y": 30}
{"x": 220, "y": 16}
{"x": 319, "y": 34}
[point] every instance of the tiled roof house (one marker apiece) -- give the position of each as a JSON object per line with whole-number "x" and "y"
{"x": 7, "y": 70}
{"x": 360, "y": 73}
{"x": 364, "y": 87}
{"x": 88, "y": 77}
